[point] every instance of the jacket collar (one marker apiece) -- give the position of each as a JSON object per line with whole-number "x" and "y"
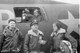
{"x": 15, "y": 29}
{"x": 33, "y": 33}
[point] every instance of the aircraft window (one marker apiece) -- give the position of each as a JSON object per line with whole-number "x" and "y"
{"x": 27, "y": 14}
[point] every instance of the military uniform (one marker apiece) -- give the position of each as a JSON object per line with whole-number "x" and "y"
{"x": 58, "y": 37}
{"x": 12, "y": 40}
{"x": 26, "y": 16}
{"x": 39, "y": 17}
{"x": 0, "y": 41}
{"x": 32, "y": 41}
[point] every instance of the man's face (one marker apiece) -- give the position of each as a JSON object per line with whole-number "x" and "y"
{"x": 55, "y": 27}
{"x": 36, "y": 13}
{"x": 34, "y": 27}
{"x": 12, "y": 24}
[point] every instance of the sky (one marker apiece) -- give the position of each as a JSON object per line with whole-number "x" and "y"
{"x": 69, "y": 1}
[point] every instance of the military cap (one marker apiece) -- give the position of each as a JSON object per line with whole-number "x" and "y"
{"x": 34, "y": 22}
{"x": 12, "y": 20}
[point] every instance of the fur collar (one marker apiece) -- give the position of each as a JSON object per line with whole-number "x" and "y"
{"x": 34, "y": 34}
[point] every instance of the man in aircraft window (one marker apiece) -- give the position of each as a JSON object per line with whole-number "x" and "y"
{"x": 26, "y": 16}
{"x": 12, "y": 38}
{"x": 37, "y": 14}
{"x": 33, "y": 39}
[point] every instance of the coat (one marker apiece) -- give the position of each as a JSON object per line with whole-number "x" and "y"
{"x": 12, "y": 40}
{"x": 32, "y": 41}
{"x": 57, "y": 38}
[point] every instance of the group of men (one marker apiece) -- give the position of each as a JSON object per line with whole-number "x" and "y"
{"x": 12, "y": 39}
{"x": 28, "y": 15}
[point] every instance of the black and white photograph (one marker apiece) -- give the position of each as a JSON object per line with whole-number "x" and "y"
{"x": 39, "y": 26}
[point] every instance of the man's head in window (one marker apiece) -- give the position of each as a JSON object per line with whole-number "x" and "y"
{"x": 36, "y": 12}
{"x": 26, "y": 10}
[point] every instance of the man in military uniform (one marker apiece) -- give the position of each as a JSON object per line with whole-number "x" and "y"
{"x": 0, "y": 41}
{"x": 60, "y": 34}
{"x": 38, "y": 15}
{"x": 33, "y": 39}
{"x": 26, "y": 16}
{"x": 12, "y": 40}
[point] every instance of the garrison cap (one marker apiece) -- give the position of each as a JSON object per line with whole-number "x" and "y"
{"x": 34, "y": 22}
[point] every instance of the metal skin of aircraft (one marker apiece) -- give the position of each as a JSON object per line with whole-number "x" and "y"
{"x": 53, "y": 13}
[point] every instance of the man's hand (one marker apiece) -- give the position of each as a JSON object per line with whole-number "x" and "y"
{"x": 42, "y": 42}
{"x": 18, "y": 49}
